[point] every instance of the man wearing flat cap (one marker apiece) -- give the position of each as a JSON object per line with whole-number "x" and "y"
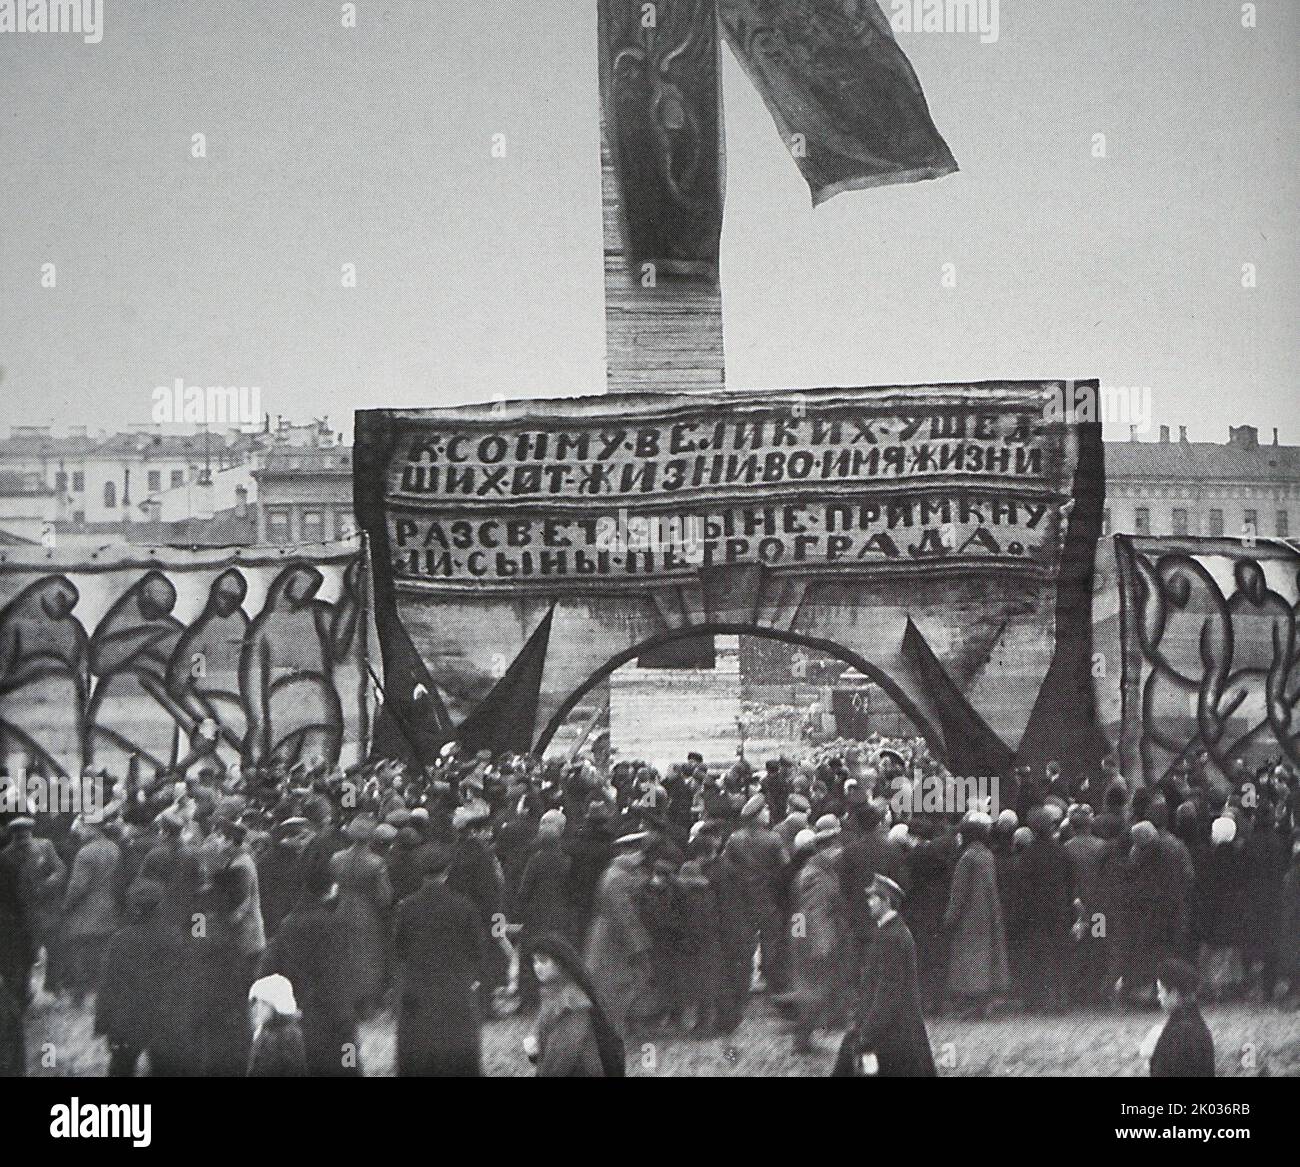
{"x": 440, "y": 950}
{"x": 888, "y": 1037}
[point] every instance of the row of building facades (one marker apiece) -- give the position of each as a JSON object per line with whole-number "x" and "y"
{"x": 287, "y": 484}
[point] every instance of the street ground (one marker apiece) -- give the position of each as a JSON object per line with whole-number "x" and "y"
{"x": 1250, "y": 1041}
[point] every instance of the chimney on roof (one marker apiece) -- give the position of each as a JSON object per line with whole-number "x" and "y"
{"x": 1275, "y": 435}
{"x": 1132, "y": 433}
{"x": 1244, "y": 437}
{"x": 1164, "y": 434}
{"x": 1182, "y": 434}
{"x": 241, "y": 502}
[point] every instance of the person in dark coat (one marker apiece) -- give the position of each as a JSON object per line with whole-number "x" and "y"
{"x": 759, "y": 860}
{"x": 930, "y": 865}
{"x": 868, "y": 852}
{"x": 1185, "y": 1048}
{"x": 365, "y": 900}
{"x": 734, "y": 940}
{"x": 17, "y": 954}
{"x": 1264, "y": 862}
{"x": 889, "y": 1026}
{"x": 1221, "y": 884}
{"x": 1288, "y": 927}
{"x": 328, "y": 838}
{"x": 590, "y": 851}
{"x": 618, "y": 947}
{"x": 540, "y": 901}
{"x": 1085, "y": 852}
{"x": 164, "y": 859}
{"x": 405, "y": 874}
{"x": 280, "y": 873}
{"x": 305, "y": 951}
{"x": 218, "y": 974}
{"x": 659, "y": 908}
{"x": 1149, "y": 902}
{"x": 440, "y": 951}
{"x": 819, "y": 936}
{"x": 514, "y": 833}
{"x": 138, "y": 962}
{"x": 476, "y": 875}
{"x": 977, "y": 954}
{"x": 701, "y": 955}
{"x": 41, "y": 875}
{"x": 90, "y": 907}
{"x": 1044, "y": 913}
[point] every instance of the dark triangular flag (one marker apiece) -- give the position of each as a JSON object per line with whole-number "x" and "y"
{"x": 843, "y": 94}
{"x": 413, "y": 722}
{"x": 504, "y": 721}
{"x": 974, "y": 750}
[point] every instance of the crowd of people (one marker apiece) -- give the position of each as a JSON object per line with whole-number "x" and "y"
{"x": 228, "y": 924}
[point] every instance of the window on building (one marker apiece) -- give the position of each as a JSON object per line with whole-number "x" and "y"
{"x": 1283, "y": 524}
{"x": 345, "y": 526}
{"x": 178, "y": 478}
{"x": 277, "y": 525}
{"x": 78, "y": 482}
{"x": 155, "y": 481}
{"x": 1250, "y": 519}
{"x": 1216, "y": 521}
{"x": 1142, "y": 520}
{"x": 1180, "y": 521}
{"x": 61, "y": 481}
{"x": 313, "y": 526}
{"x": 110, "y": 495}
{"x": 1105, "y": 521}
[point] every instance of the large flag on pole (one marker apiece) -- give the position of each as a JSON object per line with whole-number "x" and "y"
{"x": 661, "y": 96}
{"x": 843, "y": 94}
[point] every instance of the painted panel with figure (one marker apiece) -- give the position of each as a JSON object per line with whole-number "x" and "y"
{"x": 1211, "y": 668}
{"x": 160, "y": 658}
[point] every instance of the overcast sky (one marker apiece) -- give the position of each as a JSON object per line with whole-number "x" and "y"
{"x": 480, "y": 276}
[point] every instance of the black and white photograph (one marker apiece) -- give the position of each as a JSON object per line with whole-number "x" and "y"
{"x": 650, "y": 539}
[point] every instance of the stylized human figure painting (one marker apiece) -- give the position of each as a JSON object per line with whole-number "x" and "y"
{"x": 1263, "y": 656}
{"x": 203, "y": 674}
{"x": 287, "y": 668}
{"x": 44, "y": 676}
{"x": 129, "y": 653}
{"x": 1187, "y": 638}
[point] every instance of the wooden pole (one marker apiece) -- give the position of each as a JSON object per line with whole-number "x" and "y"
{"x": 663, "y": 333}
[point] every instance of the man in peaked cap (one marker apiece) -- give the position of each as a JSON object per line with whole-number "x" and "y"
{"x": 888, "y": 1037}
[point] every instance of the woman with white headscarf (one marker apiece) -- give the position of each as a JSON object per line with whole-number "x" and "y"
{"x": 278, "y": 1050}
{"x": 1223, "y": 889}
